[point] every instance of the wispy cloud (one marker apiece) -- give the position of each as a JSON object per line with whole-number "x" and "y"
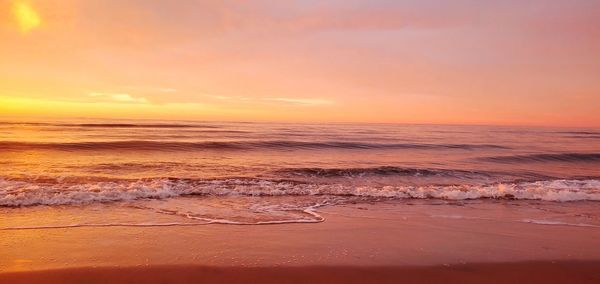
{"x": 147, "y": 89}
{"x": 229, "y": 98}
{"x": 301, "y": 101}
{"x": 282, "y": 100}
{"x": 119, "y": 97}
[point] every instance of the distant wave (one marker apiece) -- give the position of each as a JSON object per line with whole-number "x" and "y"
{"x": 113, "y": 125}
{"x": 240, "y": 145}
{"x": 581, "y": 132}
{"x": 125, "y": 125}
{"x": 561, "y": 157}
{"x": 14, "y": 193}
{"x": 584, "y": 136}
{"x": 377, "y": 171}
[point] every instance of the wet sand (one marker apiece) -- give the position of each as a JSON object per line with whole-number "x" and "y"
{"x": 358, "y": 243}
{"x": 526, "y": 272}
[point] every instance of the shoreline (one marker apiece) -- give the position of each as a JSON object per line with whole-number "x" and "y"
{"x": 371, "y": 237}
{"x": 512, "y": 272}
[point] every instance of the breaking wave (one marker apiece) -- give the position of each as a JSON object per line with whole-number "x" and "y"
{"x": 14, "y": 193}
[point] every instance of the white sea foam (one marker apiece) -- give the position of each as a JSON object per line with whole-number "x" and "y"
{"x": 24, "y": 193}
{"x": 559, "y": 223}
{"x": 69, "y": 226}
{"x": 531, "y": 221}
{"x": 455, "y": 217}
{"x": 206, "y": 221}
{"x": 196, "y": 220}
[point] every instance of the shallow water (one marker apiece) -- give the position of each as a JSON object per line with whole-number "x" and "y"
{"x": 264, "y": 173}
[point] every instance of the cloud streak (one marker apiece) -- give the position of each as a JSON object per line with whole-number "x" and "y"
{"x": 119, "y": 98}
{"x": 278, "y": 100}
{"x": 301, "y": 101}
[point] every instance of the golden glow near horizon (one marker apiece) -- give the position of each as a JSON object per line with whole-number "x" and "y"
{"x": 413, "y": 61}
{"x": 26, "y": 16}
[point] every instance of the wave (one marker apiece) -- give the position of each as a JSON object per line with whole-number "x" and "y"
{"x": 560, "y": 157}
{"x": 15, "y": 193}
{"x": 113, "y": 125}
{"x": 584, "y": 136}
{"x": 126, "y": 125}
{"x": 225, "y": 145}
{"x": 379, "y": 171}
{"x": 581, "y": 132}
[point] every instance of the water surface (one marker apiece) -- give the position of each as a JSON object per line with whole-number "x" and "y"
{"x": 230, "y": 172}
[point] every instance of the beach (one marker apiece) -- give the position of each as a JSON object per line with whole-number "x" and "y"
{"x": 384, "y": 242}
{"x": 526, "y": 272}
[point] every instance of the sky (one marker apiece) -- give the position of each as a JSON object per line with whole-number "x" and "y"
{"x": 525, "y": 62}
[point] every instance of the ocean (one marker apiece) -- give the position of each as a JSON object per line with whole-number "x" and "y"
{"x": 178, "y": 173}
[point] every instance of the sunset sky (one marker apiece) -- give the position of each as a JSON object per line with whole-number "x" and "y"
{"x": 475, "y": 62}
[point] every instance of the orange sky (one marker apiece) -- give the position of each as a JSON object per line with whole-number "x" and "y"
{"x": 475, "y": 62}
